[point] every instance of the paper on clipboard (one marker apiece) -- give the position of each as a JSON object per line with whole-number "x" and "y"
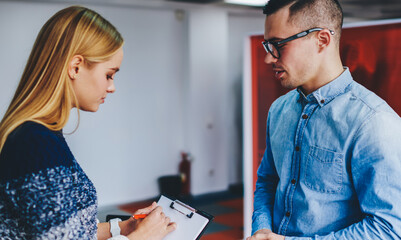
{"x": 190, "y": 224}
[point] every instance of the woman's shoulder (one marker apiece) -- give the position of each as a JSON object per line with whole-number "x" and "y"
{"x": 31, "y": 135}
{"x": 32, "y": 147}
{"x": 27, "y": 130}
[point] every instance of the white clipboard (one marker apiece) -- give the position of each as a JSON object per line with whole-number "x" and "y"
{"x": 191, "y": 223}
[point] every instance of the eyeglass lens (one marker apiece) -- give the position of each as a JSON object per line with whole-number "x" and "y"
{"x": 270, "y": 48}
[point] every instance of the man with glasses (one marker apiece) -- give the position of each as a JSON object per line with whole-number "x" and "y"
{"x": 332, "y": 164}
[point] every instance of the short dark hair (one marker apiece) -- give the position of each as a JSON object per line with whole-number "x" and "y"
{"x": 310, "y": 13}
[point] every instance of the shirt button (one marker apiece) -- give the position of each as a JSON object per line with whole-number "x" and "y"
{"x": 304, "y": 116}
{"x": 297, "y": 148}
{"x": 322, "y": 101}
{"x": 293, "y": 181}
{"x": 287, "y": 214}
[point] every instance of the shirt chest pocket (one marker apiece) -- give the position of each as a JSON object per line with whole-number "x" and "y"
{"x": 323, "y": 170}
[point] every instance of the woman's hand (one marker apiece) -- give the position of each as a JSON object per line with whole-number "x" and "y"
{"x": 131, "y": 224}
{"x": 154, "y": 227}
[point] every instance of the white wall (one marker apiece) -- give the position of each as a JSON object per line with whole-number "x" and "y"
{"x": 240, "y": 27}
{"x": 138, "y": 133}
{"x": 176, "y": 91}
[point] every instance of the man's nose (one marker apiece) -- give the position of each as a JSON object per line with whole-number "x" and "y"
{"x": 269, "y": 59}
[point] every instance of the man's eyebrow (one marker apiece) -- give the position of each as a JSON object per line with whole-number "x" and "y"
{"x": 275, "y": 39}
{"x": 116, "y": 69}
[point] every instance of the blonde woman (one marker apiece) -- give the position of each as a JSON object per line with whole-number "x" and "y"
{"x": 44, "y": 193}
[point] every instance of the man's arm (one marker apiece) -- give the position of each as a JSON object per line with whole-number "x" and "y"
{"x": 266, "y": 186}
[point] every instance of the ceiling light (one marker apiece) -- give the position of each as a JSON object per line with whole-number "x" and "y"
{"x": 258, "y": 3}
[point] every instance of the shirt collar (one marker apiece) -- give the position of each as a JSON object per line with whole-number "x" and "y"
{"x": 329, "y": 91}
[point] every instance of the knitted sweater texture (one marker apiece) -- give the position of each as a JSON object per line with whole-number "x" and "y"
{"x": 44, "y": 193}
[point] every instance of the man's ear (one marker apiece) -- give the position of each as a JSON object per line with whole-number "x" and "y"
{"x": 74, "y": 66}
{"x": 324, "y": 38}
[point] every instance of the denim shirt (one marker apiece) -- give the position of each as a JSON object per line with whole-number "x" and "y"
{"x": 332, "y": 166}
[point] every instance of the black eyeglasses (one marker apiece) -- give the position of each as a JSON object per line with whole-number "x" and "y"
{"x": 273, "y": 47}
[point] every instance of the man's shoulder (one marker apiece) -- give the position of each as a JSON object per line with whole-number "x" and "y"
{"x": 290, "y": 97}
{"x": 367, "y": 99}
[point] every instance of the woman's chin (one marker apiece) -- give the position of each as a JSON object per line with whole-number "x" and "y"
{"x": 90, "y": 108}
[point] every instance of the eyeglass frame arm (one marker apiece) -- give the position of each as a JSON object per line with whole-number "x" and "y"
{"x": 293, "y": 37}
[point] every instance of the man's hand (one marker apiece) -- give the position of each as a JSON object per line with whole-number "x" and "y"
{"x": 265, "y": 234}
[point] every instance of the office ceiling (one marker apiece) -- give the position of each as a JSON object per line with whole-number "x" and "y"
{"x": 372, "y": 9}
{"x": 353, "y": 9}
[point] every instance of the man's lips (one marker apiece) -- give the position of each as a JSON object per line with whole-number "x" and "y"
{"x": 279, "y": 73}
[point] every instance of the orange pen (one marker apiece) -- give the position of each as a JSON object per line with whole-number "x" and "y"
{"x": 139, "y": 216}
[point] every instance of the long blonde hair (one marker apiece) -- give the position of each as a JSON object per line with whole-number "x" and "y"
{"x": 44, "y": 94}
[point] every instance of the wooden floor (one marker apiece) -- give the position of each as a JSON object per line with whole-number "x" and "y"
{"x": 234, "y": 220}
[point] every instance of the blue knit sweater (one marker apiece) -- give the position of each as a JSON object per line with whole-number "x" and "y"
{"x": 44, "y": 193}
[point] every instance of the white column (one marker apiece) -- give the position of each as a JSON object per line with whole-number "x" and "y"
{"x": 206, "y": 134}
{"x": 248, "y": 143}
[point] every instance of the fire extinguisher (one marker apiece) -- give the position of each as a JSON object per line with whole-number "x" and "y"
{"x": 185, "y": 172}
